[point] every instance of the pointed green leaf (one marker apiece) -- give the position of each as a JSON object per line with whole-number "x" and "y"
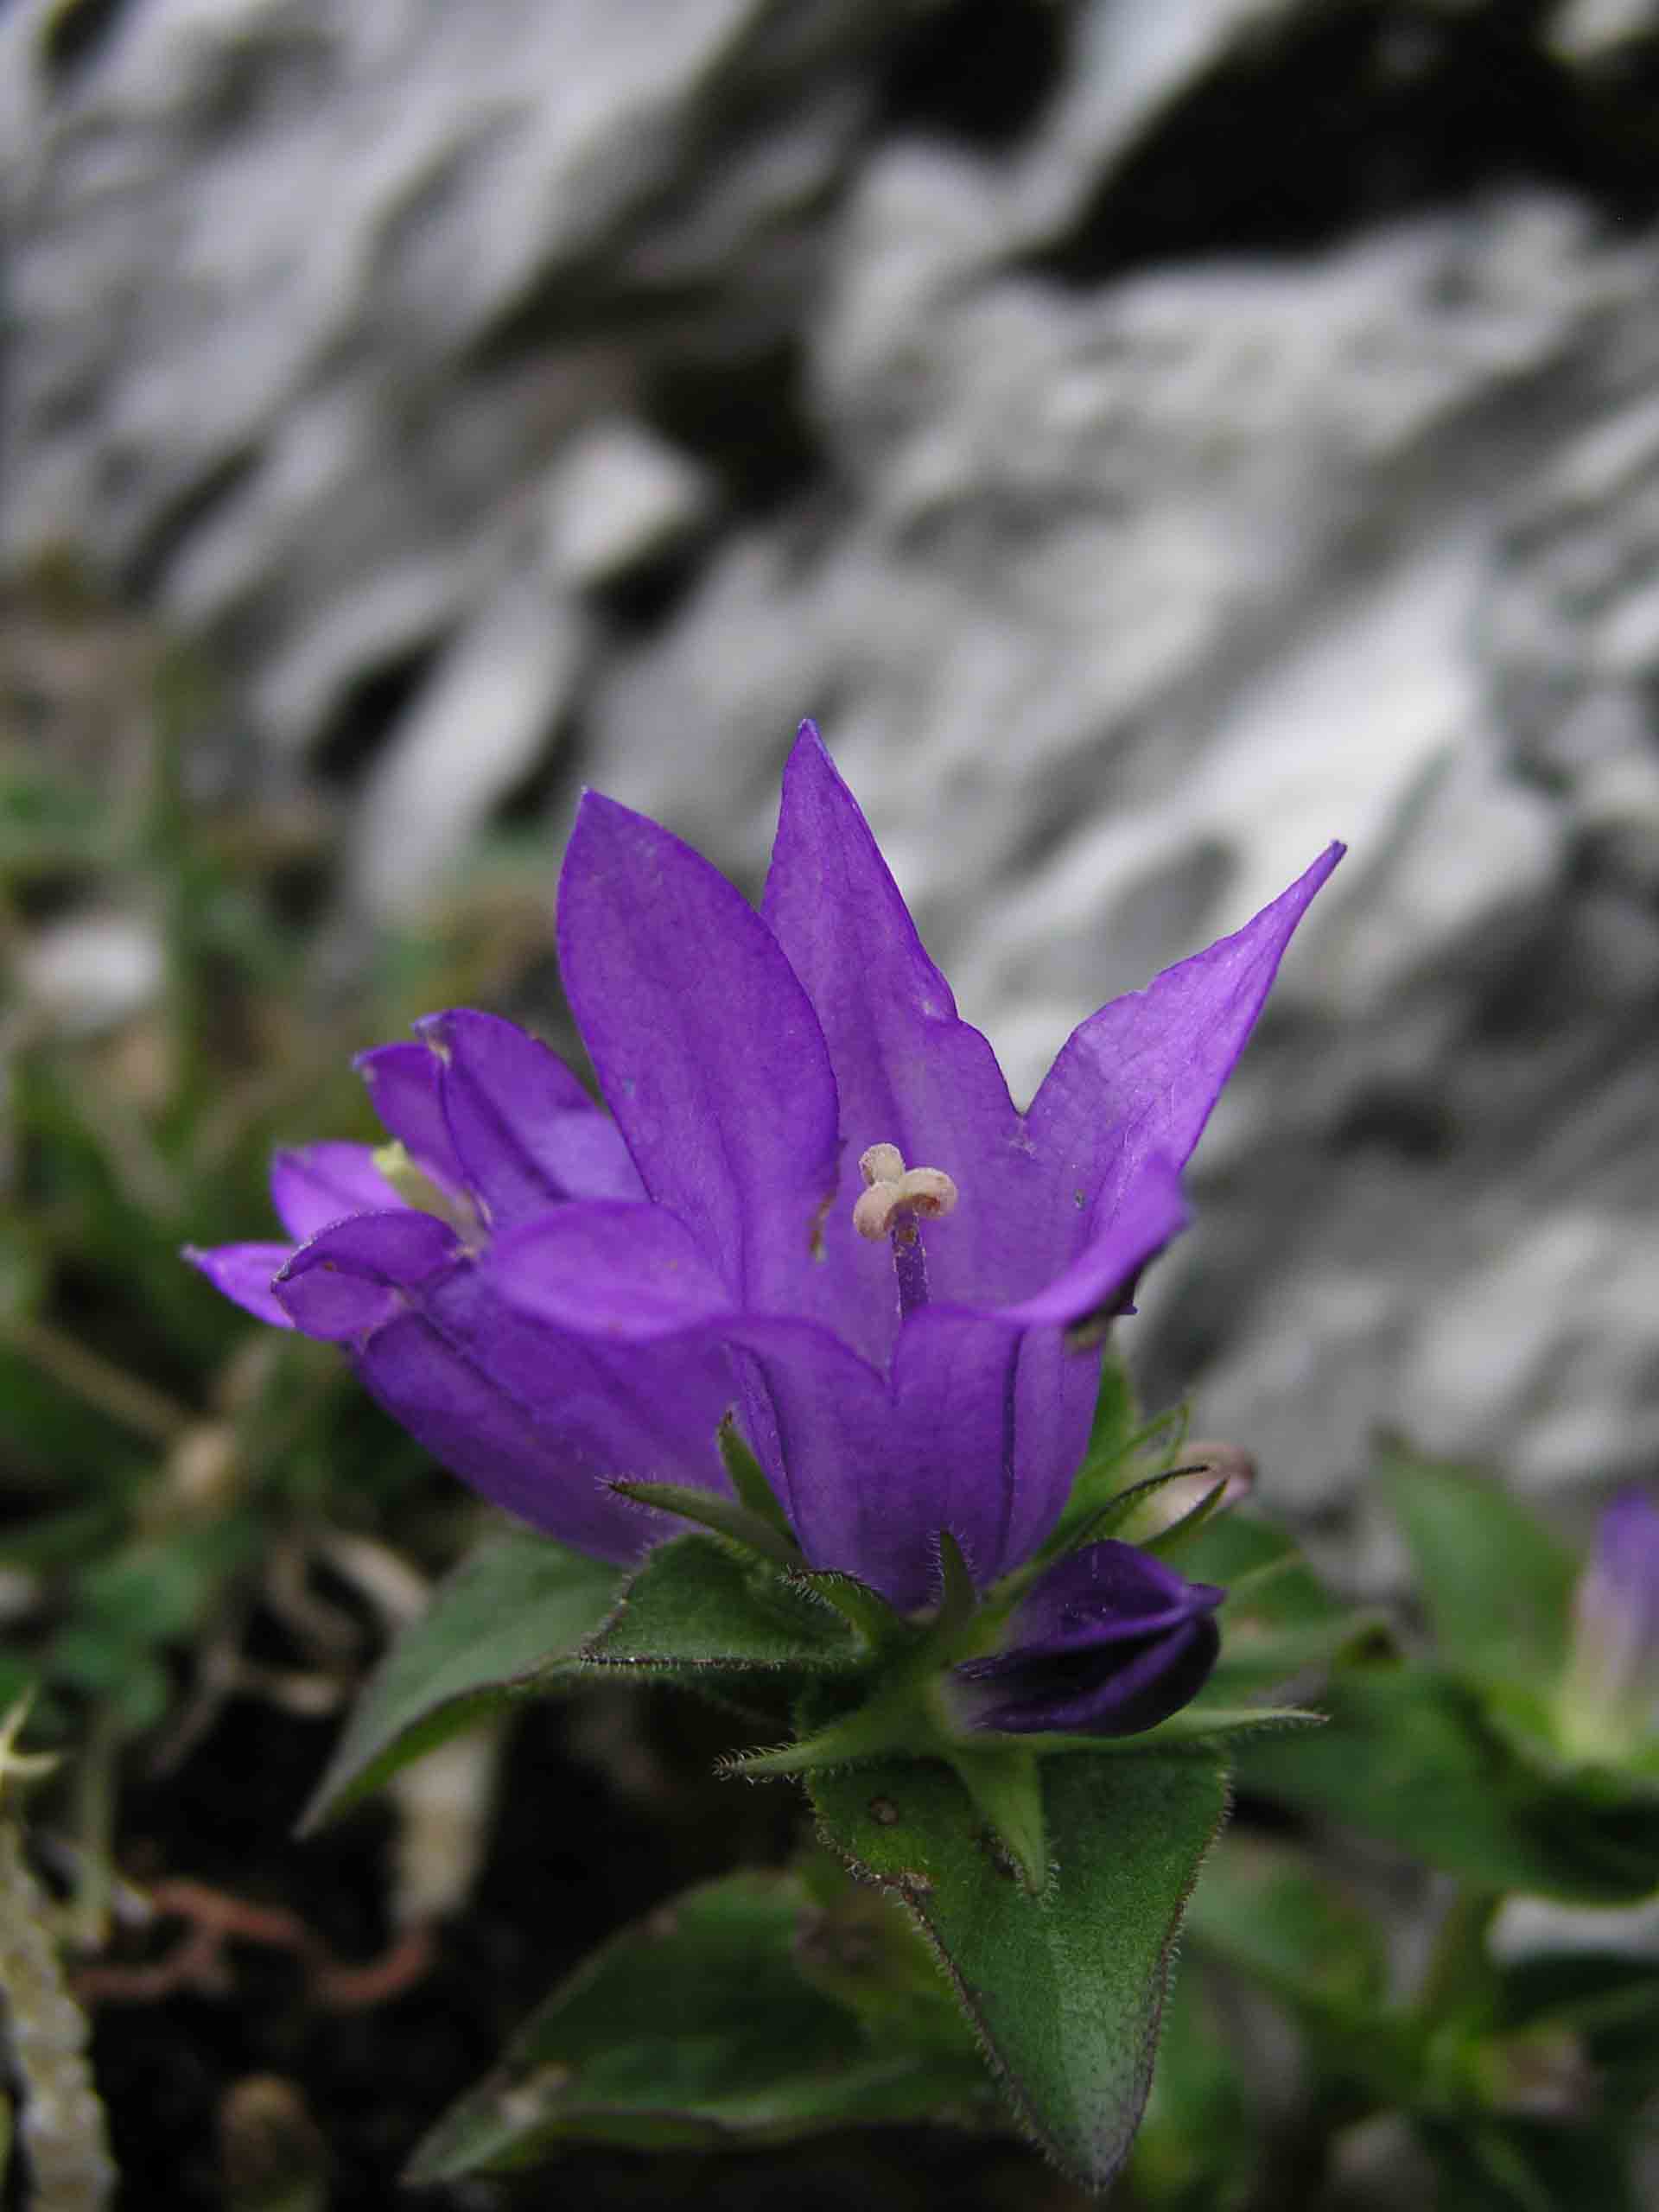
{"x": 695, "y": 2029}
{"x": 1409, "y": 1755}
{"x": 709, "y": 1508}
{"x": 1497, "y": 1584}
{"x": 508, "y": 1621}
{"x": 694, "y": 1604}
{"x": 1065, "y": 1989}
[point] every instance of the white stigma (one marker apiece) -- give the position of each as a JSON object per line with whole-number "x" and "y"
{"x": 895, "y": 1197}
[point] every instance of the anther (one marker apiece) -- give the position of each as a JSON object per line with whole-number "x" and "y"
{"x": 894, "y": 1199}
{"x": 895, "y": 1194}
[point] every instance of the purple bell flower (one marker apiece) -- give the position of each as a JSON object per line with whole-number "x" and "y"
{"x": 1109, "y": 1641}
{"x": 1610, "y": 1696}
{"x": 812, "y": 1199}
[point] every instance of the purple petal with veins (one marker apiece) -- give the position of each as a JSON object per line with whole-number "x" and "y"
{"x": 633, "y": 1272}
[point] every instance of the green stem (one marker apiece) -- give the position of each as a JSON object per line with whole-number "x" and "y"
{"x": 1459, "y": 1967}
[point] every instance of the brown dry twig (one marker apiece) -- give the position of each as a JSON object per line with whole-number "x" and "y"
{"x": 214, "y": 1918}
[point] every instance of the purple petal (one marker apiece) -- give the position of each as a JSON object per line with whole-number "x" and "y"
{"x": 1118, "y": 1691}
{"x": 244, "y": 1273}
{"x": 1140, "y": 1078}
{"x": 542, "y": 1423}
{"x": 1104, "y": 1593}
{"x": 1614, "y": 1664}
{"x": 351, "y": 1278}
{"x": 706, "y": 1047}
{"x": 607, "y": 1268}
{"x": 524, "y": 1132}
{"x": 401, "y": 1080}
{"x": 1110, "y": 1642}
{"x": 322, "y": 1183}
{"x": 978, "y": 1428}
{"x": 870, "y": 1470}
{"x": 908, "y": 1070}
{"x": 1150, "y": 1212}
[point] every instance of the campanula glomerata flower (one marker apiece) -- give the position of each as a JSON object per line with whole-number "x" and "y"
{"x": 809, "y": 1197}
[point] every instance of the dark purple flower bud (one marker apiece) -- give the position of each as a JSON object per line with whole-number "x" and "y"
{"x": 1110, "y": 1642}
{"x": 1609, "y": 1699}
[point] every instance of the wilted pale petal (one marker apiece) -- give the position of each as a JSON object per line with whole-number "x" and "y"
{"x": 244, "y": 1273}
{"x": 1110, "y": 1642}
{"x": 909, "y": 1072}
{"x": 1140, "y": 1078}
{"x": 707, "y": 1049}
{"x": 322, "y": 1183}
{"x": 526, "y": 1134}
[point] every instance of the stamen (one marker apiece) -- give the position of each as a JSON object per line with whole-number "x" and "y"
{"x": 894, "y": 1198}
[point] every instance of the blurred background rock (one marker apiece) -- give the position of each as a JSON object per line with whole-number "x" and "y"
{"x": 1152, "y": 436}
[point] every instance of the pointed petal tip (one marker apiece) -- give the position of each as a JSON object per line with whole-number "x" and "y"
{"x": 243, "y": 1273}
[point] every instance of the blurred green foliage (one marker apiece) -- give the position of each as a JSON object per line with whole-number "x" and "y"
{"x": 161, "y": 1454}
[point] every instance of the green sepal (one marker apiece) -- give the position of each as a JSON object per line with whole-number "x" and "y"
{"x": 894, "y": 1721}
{"x": 1064, "y": 1989}
{"x": 508, "y": 1624}
{"x": 725, "y": 1516}
{"x": 878, "y": 1625}
{"x": 1197, "y": 1727}
{"x": 698, "y": 2028}
{"x": 1111, "y": 1516}
{"x": 1180, "y": 1533}
{"x": 1003, "y": 1779}
{"x": 958, "y": 1599}
{"x": 1497, "y": 1584}
{"x": 1410, "y": 1756}
{"x": 749, "y": 1477}
{"x": 694, "y": 1605}
{"x": 1119, "y": 1444}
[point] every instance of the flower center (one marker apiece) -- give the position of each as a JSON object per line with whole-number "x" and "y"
{"x": 894, "y": 1199}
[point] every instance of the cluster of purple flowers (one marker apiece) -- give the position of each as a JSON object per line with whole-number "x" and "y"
{"x": 808, "y": 1197}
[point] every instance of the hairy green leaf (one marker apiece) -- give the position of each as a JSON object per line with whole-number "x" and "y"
{"x": 510, "y": 1620}
{"x": 1064, "y": 1989}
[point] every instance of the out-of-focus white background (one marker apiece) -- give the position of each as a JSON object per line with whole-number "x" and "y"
{"x": 1152, "y": 436}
